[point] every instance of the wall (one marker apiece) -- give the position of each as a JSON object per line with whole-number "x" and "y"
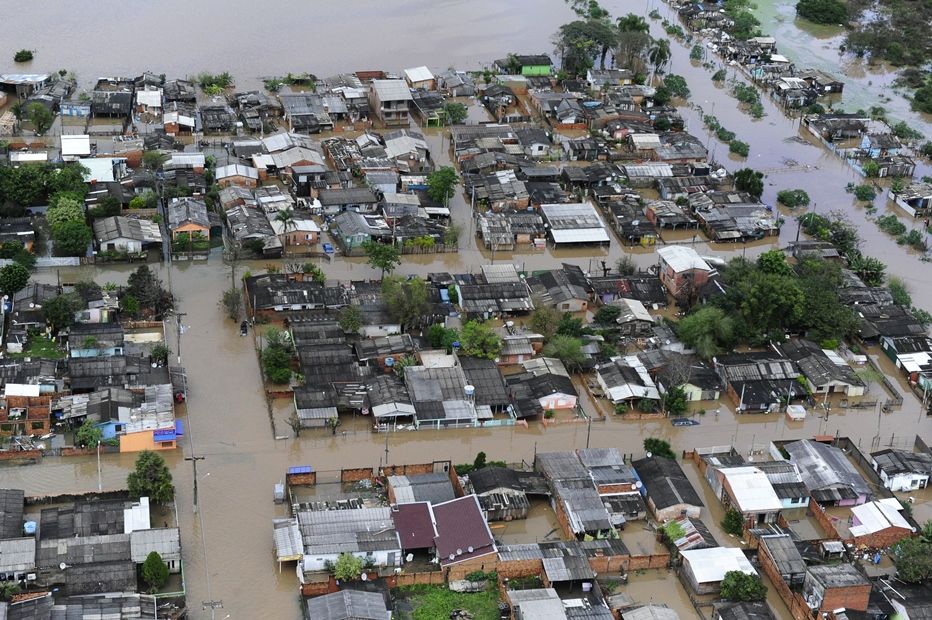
{"x": 852, "y": 597}
{"x": 355, "y": 474}
{"x": 301, "y": 480}
{"x": 486, "y": 564}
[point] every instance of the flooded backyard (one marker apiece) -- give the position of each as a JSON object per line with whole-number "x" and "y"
{"x": 227, "y": 417}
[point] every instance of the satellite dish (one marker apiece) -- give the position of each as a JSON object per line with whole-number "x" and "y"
{"x": 364, "y": 577}
{"x": 470, "y": 549}
{"x": 409, "y": 557}
{"x": 637, "y": 484}
{"x": 62, "y": 566}
{"x": 459, "y": 552}
{"x": 452, "y": 556}
{"x": 649, "y": 455}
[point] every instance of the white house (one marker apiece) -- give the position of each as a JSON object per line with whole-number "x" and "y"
{"x": 367, "y": 533}
{"x": 901, "y": 470}
{"x": 705, "y": 569}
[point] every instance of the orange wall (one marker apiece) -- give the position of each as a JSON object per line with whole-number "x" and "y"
{"x": 143, "y": 440}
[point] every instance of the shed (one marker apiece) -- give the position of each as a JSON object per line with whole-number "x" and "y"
{"x": 705, "y": 569}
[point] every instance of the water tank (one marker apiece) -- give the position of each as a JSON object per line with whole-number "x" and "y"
{"x": 30, "y": 528}
{"x": 469, "y": 391}
{"x": 389, "y": 361}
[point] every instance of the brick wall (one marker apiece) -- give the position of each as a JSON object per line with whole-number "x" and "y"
{"x": 432, "y": 578}
{"x": 852, "y": 597}
{"x": 514, "y": 569}
{"x": 882, "y": 539}
{"x": 640, "y": 562}
{"x": 408, "y": 470}
{"x": 356, "y": 474}
{"x": 823, "y": 519}
{"x": 616, "y": 489}
{"x": 12, "y": 455}
{"x": 301, "y": 480}
{"x": 486, "y": 564}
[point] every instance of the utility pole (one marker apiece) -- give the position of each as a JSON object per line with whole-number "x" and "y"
{"x": 100, "y": 484}
{"x": 588, "y": 431}
{"x": 194, "y": 460}
{"x": 178, "y": 316}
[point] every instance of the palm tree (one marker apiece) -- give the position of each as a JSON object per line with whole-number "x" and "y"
{"x": 659, "y": 55}
{"x": 285, "y": 217}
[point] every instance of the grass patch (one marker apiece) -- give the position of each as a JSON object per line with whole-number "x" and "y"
{"x": 432, "y": 602}
{"x": 40, "y": 347}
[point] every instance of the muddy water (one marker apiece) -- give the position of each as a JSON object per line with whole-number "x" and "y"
{"x": 181, "y": 38}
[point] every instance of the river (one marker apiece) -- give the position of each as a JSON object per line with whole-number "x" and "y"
{"x": 227, "y": 422}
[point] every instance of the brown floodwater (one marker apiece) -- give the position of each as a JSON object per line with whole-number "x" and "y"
{"x": 227, "y": 416}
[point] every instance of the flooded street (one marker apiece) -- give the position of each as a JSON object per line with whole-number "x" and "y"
{"x": 227, "y": 419}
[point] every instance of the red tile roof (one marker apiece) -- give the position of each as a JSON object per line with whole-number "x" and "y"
{"x": 415, "y": 525}
{"x": 461, "y": 531}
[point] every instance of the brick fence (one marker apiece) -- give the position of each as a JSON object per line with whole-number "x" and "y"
{"x": 13, "y": 455}
{"x": 355, "y": 474}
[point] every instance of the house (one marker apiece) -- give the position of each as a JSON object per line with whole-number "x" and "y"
{"x": 488, "y": 299}
{"x": 464, "y": 541}
{"x": 633, "y": 319}
{"x": 535, "y": 142}
{"x": 786, "y": 481}
{"x": 597, "y": 79}
{"x": 352, "y": 229}
{"x": 217, "y": 118}
{"x": 704, "y": 569}
{"x": 748, "y": 490}
{"x": 75, "y": 146}
{"x": 125, "y": 234}
{"x": 825, "y": 371}
{"x": 420, "y": 77}
{"x": 112, "y": 97}
{"x": 237, "y": 174}
{"x": 626, "y": 380}
{"x": 566, "y": 289}
{"x": 359, "y": 199}
{"x": 658, "y": 611}
{"x": 315, "y": 406}
{"x": 388, "y": 101}
{"x": 503, "y": 493}
{"x": 300, "y": 232}
{"x": 456, "y": 83}
{"x": 754, "y": 610}
{"x": 759, "y": 381}
{"x": 188, "y": 216}
{"x": 824, "y": 83}
{"x": 574, "y": 224}
{"x": 433, "y": 488}
{"x": 306, "y": 112}
{"x": 250, "y": 228}
{"x": 179, "y": 90}
{"x": 682, "y": 270}
{"x": 415, "y": 525}
{"x": 367, "y": 533}
{"x": 828, "y": 587}
{"x": 912, "y": 355}
{"x": 901, "y": 470}
{"x": 428, "y": 105}
{"x": 828, "y": 474}
{"x": 95, "y": 340}
{"x": 669, "y": 493}
{"x": 271, "y": 293}
{"x": 546, "y": 381}
{"x": 878, "y": 524}
{"x": 915, "y": 198}
{"x": 779, "y": 556}
{"x": 348, "y": 605}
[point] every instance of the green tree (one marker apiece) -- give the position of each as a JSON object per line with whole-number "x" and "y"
{"x": 151, "y": 478}
{"x": 899, "y": 291}
{"x": 738, "y": 586}
{"x": 676, "y": 84}
{"x": 154, "y": 572}
{"x": 441, "y": 337}
{"x": 822, "y": 11}
{"x": 381, "y": 256}
{"x": 285, "y": 217}
{"x": 64, "y": 210}
{"x": 709, "y": 331}
{"x": 441, "y": 184}
{"x": 658, "y": 54}
{"x": 478, "y": 339}
{"x": 733, "y": 522}
{"x": 146, "y": 288}
{"x": 773, "y": 261}
{"x": 88, "y": 435}
{"x": 23, "y": 55}
{"x": 8, "y": 589}
{"x": 793, "y": 198}
{"x": 480, "y": 461}
{"x": 454, "y": 112}
{"x": 276, "y": 364}
{"x": 40, "y": 117}
{"x": 347, "y": 567}
{"x": 570, "y": 325}
{"x": 407, "y": 300}
{"x": 317, "y": 274}
{"x": 159, "y": 354}
{"x": 913, "y": 559}
{"x": 675, "y": 401}
{"x": 631, "y": 41}
{"x": 544, "y": 320}
{"x": 130, "y": 305}
{"x": 579, "y": 42}
{"x": 607, "y": 315}
{"x": 232, "y": 302}
{"x": 750, "y": 181}
{"x": 872, "y": 271}
{"x": 71, "y": 238}
{"x": 153, "y": 160}
{"x": 17, "y": 252}
{"x": 567, "y": 349}
{"x": 350, "y": 319}
{"x": 13, "y": 278}
{"x": 59, "y": 312}
{"x": 659, "y": 448}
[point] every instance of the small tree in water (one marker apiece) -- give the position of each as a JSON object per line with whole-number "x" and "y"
{"x": 154, "y": 572}
{"x": 659, "y": 447}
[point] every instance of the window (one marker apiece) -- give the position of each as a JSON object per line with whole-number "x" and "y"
{"x": 566, "y": 306}
{"x": 38, "y": 426}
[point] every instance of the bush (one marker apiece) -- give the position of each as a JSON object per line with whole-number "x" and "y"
{"x": 891, "y": 225}
{"x": 719, "y": 76}
{"x": 347, "y": 567}
{"x": 793, "y": 198}
{"x": 739, "y": 148}
{"x": 659, "y": 447}
{"x": 154, "y": 572}
{"x": 724, "y": 135}
{"x": 676, "y": 84}
{"x": 822, "y": 11}
{"x": 738, "y": 586}
{"x": 23, "y": 56}
{"x": 276, "y": 364}
{"x": 864, "y": 193}
{"x": 695, "y": 53}
{"x": 733, "y": 523}
{"x": 746, "y": 93}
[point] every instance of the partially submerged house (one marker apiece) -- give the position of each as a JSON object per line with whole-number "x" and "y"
{"x": 901, "y": 470}
{"x": 704, "y": 569}
{"x": 668, "y": 491}
{"x": 759, "y": 381}
{"x": 828, "y": 474}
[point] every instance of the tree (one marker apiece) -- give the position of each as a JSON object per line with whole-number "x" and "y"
{"x": 285, "y": 217}
{"x": 570, "y": 325}
{"x": 130, "y": 305}
{"x": 152, "y": 160}
{"x": 147, "y": 289}
{"x": 478, "y": 339}
{"x": 406, "y": 299}
{"x": 676, "y": 84}
{"x": 607, "y": 315}
{"x": 232, "y": 302}
{"x": 822, "y": 11}
{"x": 88, "y": 435}
{"x": 276, "y": 364}
{"x": 159, "y": 354}
{"x": 350, "y": 319}
{"x": 454, "y": 112}
{"x": 151, "y": 478}
{"x": 317, "y": 274}
{"x": 659, "y": 55}
{"x": 63, "y": 210}
{"x": 544, "y": 320}
{"x": 824, "y": 316}
{"x": 739, "y": 586}
{"x": 793, "y": 198}
{"x": 567, "y": 349}
{"x": 441, "y": 337}
{"x": 632, "y": 40}
{"x": 675, "y": 401}
{"x": 23, "y": 55}
{"x": 580, "y": 41}
{"x": 40, "y": 117}
{"x": 659, "y": 448}
{"x": 913, "y": 559}
{"x": 871, "y": 270}
{"x": 708, "y": 330}
{"x": 480, "y": 461}
{"x": 154, "y": 572}
{"x": 750, "y": 181}
{"x": 733, "y": 522}
{"x": 8, "y": 589}
{"x": 347, "y": 567}
{"x": 381, "y": 256}
{"x": 625, "y": 265}
{"x": 441, "y": 184}
{"x": 773, "y": 261}
{"x": 13, "y": 278}
{"x": 59, "y": 312}
{"x": 71, "y": 238}
{"x": 899, "y": 291}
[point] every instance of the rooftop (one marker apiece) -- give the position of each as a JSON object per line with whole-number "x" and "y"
{"x": 710, "y": 565}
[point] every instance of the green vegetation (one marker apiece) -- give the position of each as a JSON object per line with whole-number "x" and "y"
{"x": 39, "y": 346}
{"x": 13, "y": 278}
{"x": 733, "y": 523}
{"x": 544, "y": 320}
{"x": 673, "y": 530}
{"x": 232, "y": 302}
{"x": 864, "y": 193}
{"x": 215, "y": 84}
{"x": 607, "y": 315}
{"x": 478, "y": 339}
{"x": 822, "y": 11}
{"x": 88, "y": 435}
{"x": 719, "y": 76}
{"x": 23, "y": 55}
{"x": 676, "y": 84}
{"x": 793, "y": 198}
{"x": 891, "y": 225}
{"x": 151, "y": 478}
{"x": 59, "y": 312}
{"x": 314, "y": 272}
{"x": 478, "y": 463}
{"x": 440, "y": 337}
{"x": 922, "y": 102}
{"x": 276, "y": 357}
{"x": 893, "y": 30}
{"x": 154, "y": 572}
{"x": 441, "y": 184}
{"x": 739, "y": 148}
{"x": 407, "y": 300}
{"x": 695, "y": 52}
{"x": 382, "y": 256}
{"x": 350, "y": 319}
{"x": 675, "y": 401}
{"x": 567, "y": 349}
{"x": 15, "y": 250}
{"x": 659, "y": 448}
{"x": 432, "y": 602}
{"x": 745, "y": 24}
{"x": 146, "y": 290}
{"x": 34, "y": 184}
{"x": 749, "y": 96}
{"x": 40, "y": 117}
{"x": 738, "y": 586}
{"x": 709, "y": 331}
{"x": 913, "y": 559}
{"x": 750, "y": 181}
{"x": 347, "y": 567}
{"x": 454, "y": 113}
